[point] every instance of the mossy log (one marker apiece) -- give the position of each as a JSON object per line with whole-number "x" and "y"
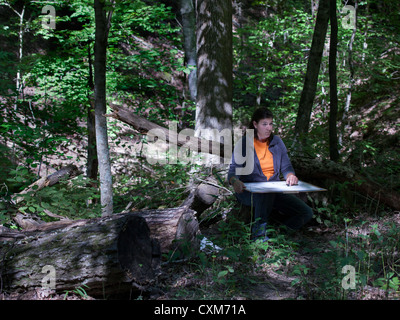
{"x": 109, "y": 256}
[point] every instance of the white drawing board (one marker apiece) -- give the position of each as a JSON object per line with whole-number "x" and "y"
{"x": 280, "y": 187}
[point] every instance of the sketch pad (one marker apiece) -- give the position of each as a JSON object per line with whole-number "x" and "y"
{"x": 280, "y": 187}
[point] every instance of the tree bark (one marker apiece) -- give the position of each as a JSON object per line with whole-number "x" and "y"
{"x": 110, "y": 255}
{"x": 92, "y": 163}
{"x": 214, "y": 65}
{"x": 103, "y": 155}
{"x": 351, "y": 78}
{"x": 107, "y": 255}
{"x": 189, "y": 35}
{"x": 313, "y": 66}
{"x": 333, "y": 135}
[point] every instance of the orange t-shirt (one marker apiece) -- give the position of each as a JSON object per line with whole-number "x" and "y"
{"x": 265, "y": 157}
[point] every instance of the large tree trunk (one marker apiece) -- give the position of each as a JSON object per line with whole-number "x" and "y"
{"x": 103, "y": 153}
{"x": 110, "y": 255}
{"x": 313, "y": 66}
{"x": 214, "y": 65}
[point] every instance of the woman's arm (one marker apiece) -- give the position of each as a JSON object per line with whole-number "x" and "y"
{"x": 287, "y": 169}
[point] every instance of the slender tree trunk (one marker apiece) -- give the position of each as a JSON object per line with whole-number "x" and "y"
{"x": 189, "y": 34}
{"x": 103, "y": 154}
{"x": 214, "y": 65}
{"x": 333, "y": 137}
{"x": 92, "y": 163}
{"x": 351, "y": 82}
{"x": 19, "y": 86}
{"x": 20, "y": 52}
{"x": 313, "y": 66}
{"x": 365, "y": 43}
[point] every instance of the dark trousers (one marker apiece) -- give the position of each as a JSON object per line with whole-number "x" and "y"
{"x": 295, "y": 211}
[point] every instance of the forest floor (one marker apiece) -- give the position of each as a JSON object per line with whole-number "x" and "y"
{"x": 258, "y": 280}
{"x": 279, "y": 280}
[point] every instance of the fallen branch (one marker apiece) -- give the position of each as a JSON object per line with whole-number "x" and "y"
{"x": 67, "y": 172}
{"x": 144, "y": 126}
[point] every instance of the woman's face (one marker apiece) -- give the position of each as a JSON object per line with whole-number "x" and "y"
{"x": 264, "y": 128}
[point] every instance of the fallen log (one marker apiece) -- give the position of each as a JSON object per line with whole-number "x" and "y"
{"x": 144, "y": 126}
{"x": 110, "y": 256}
{"x": 173, "y": 228}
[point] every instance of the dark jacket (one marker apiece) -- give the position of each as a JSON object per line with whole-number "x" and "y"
{"x": 246, "y": 166}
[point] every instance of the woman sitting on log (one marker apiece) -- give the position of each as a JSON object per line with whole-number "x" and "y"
{"x": 259, "y": 158}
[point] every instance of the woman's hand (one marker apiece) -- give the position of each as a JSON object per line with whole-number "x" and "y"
{"x": 238, "y": 185}
{"x": 291, "y": 179}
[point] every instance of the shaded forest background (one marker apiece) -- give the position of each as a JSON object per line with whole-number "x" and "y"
{"x": 47, "y": 101}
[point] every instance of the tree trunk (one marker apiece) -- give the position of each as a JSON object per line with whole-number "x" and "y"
{"x": 333, "y": 135}
{"x": 20, "y": 87}
{"x": 214, "y": 65}
{"x": 351, "y": 79}
{"x": 92, "y": 163}
{"x": 110, "y": 255}
{"x": 103, "y": 155}
{"x": 313, "y": 66}
{"x": 189, "y": 35}
{"x": 107, "y": 255}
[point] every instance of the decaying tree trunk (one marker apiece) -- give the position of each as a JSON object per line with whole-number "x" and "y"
{"x": 107, "y": 256}
{"x": 172, "y": 227}
{"x": 110, "y": 255}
